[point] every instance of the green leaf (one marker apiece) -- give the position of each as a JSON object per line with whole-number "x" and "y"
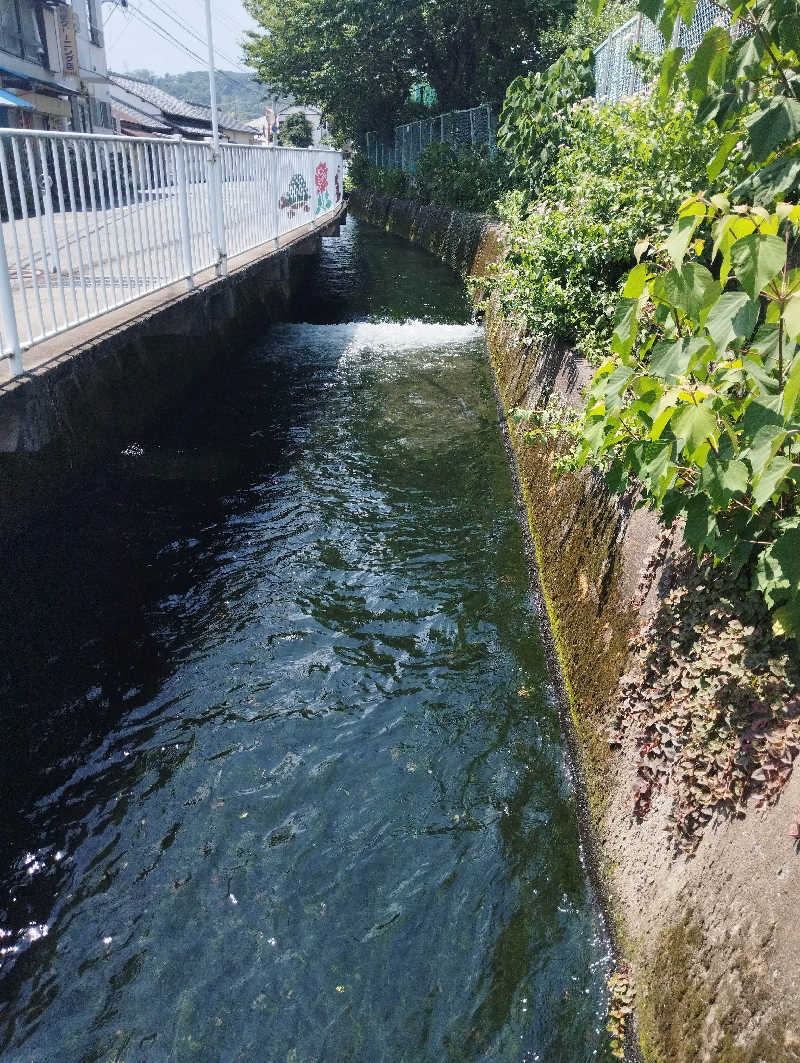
{"x": 708, "y": 62}
{"x": 678, "y": 240}
{"x": 774, "y": 474}
{"x": 771, "y": 182}
{"x": 791, "y": 317}
{"x": 635, "y": 282}
{"x": 757, "y": 259}
{"x": 670, "y": 65}
{"x": 786, "y": 620}
{"x": 776, "y": 121}
{"x": 691, "y": 289}
{"x": 721, "y": 480}
{"x": 787, "y": 33}
{"x": 717, "y": 164}
{"x": 765, "y": 444}
{"x": 674, "y": 359}
{"x": 732, "y": 317}
{"x": 616, "y": 384}
{"x": 625, "y": 327}
{"x": 791, "y": 390}
{"x": 778, "y": 569}
{"x": 694, "y": 425}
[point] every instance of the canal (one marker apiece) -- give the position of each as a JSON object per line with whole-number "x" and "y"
{"x": 282, "y": 775}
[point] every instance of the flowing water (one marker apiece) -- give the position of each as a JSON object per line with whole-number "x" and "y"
{"x": 282, "y": 777}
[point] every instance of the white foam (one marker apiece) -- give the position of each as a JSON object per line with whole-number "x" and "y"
{"x": 357, "y": 337}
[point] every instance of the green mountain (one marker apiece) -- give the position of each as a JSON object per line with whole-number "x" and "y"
{"x": 237, "y": 93}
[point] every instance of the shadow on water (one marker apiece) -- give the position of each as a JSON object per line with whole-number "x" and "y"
{"x": 282, "y": 775}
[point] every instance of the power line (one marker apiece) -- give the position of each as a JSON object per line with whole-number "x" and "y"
{"x": 173, "y": 15}
{"x": 171, "y": 39}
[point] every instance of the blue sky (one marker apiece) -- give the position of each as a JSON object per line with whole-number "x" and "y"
{"x": 132, "y": 41}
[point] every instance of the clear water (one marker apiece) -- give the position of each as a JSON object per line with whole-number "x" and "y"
{"x": 282, "y": 777}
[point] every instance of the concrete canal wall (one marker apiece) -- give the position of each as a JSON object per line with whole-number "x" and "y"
{"x": 710, "y": 935}
{"x": 95, "y": 387}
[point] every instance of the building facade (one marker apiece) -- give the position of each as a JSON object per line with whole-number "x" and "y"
{"x": 53, "y": 66}
{"x": 142, "y": 109}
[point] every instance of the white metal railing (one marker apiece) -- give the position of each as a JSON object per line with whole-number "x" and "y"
{"x": 90, "y": 223}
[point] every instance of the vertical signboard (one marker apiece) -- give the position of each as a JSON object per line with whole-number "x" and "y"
{"x": 66, "y": 36}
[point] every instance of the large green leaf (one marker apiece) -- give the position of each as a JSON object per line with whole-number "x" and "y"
{"x": 765, "y": 444}
{"x": 775, "y": 122}
{"x": 695, "y": 425}
{"x": 675, "y": 358}
{"x": 732, "y": 317}
{"x": 778, "y": 570}
{"x": 721, "y": 480}
{"x": 670, "y": 65}
{"x": 678, "y": 240}
{"x": 791, "y": 390}
{"x": 757, "y": 259}
{"x": 708, "y": 62}
{"x": 691, "y": 289}
{"x": 770, "y": 183}
{"x": 626, "y": 325}
{"x": 717, "y": 164}
{"x": 791, "y": 316}
{"x": 770, "y": 480}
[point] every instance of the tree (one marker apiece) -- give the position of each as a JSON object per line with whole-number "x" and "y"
{"x": 296, "y": 131}
{"x": 358, "y": 59}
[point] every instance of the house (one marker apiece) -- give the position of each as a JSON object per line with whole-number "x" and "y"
{"x": 283, "y": 107}
{"x": 53, "y": 66}
{"x": 142, "y": 109}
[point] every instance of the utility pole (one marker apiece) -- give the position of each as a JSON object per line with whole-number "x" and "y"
{"x": 215, "y": 173}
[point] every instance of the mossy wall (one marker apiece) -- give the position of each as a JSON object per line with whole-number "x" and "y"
{"x": 712, "y": 941}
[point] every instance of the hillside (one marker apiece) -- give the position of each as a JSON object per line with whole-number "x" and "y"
{"x": 237, "y": 93}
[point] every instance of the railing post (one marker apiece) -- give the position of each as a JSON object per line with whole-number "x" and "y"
{"x": 183, "y": 209}
{"x": 276, "y": 192}
{"x": 8, "y": 317}
{"x": 46, "y": 184}
{"x": 215, "y": 208}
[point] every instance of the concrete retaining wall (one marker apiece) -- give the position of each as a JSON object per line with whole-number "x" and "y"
{"x": 99, "y": 391}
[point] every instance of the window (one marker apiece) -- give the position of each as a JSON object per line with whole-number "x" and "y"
{"x": 19, "y": 31}
{"x": 93, "y": 23}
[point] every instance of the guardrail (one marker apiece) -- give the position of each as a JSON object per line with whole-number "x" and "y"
{"x": 91, "y": 223}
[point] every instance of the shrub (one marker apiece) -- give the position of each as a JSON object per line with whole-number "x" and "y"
{"x": 467, "y": 180}
{"x": 464, "y": 180}
{"x": 620, "y": 173}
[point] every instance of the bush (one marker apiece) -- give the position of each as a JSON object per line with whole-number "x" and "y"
{"x": 467, "y": 180}
{"x": 536, "y": 116}
{"x": 619, "y": 175}
{"x": 463, "y": 180}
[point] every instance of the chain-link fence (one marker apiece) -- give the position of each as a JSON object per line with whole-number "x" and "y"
{"x": 616, "y": 76}
{"x": 473, "y": 129}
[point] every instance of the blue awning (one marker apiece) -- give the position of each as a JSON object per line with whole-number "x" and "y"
{"x": 8, "y": 99}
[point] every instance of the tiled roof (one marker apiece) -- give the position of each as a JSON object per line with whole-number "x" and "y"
{"x": 169, "y": 104}
{"x": 131, "y": 114}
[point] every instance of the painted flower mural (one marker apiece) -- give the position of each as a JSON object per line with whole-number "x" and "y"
{"x": 321, "y": 181}
{"x": 296, "y": 198}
